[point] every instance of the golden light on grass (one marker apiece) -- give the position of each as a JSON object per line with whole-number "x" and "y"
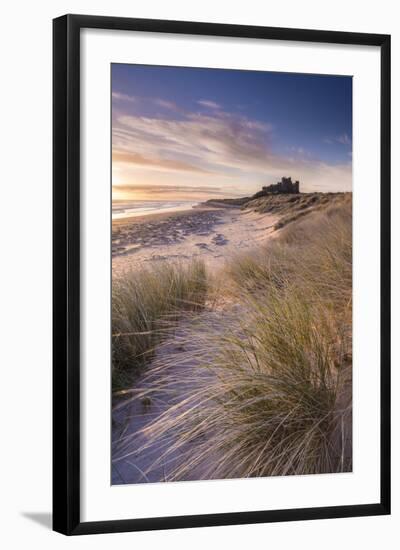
{"x": 264, "y": 386}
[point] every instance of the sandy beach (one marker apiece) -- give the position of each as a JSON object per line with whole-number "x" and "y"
{"x": 211, "y": 234}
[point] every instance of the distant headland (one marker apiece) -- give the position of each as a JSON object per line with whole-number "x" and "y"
{"x": 283, "y": 198}
{"x": 284, "y": 187}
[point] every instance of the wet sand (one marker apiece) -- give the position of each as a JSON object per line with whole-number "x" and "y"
{"x": 213, "y": 235}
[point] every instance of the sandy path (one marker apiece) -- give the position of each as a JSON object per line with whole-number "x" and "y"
{"x": 151, "y": 397}
{"x": 213, "y": 235}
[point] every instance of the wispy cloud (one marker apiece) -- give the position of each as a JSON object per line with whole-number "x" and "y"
{"x": 212, "y": 143}
{"x": 344, "y": 139}
{"x": 199, "y": 150}
{"x": 168, "y": 189}
{"x": 148, "y": 102}
{"x": 123, "y": 97}
{"x": 208, "y": 103}
{"x": 166, "y": 104}
{"x": 164, "y": 164}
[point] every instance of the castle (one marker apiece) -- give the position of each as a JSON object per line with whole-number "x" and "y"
{"x": 286, "y": 185}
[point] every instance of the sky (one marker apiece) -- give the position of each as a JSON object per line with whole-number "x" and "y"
{"x": 194, "y": 134}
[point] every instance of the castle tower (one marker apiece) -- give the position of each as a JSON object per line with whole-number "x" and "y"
{"x": 286, "y": 185}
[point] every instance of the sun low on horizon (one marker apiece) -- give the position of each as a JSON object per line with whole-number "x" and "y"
{"x": 196, "y": 134}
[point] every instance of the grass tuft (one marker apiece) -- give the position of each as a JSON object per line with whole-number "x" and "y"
{"x": 145, "y": 305}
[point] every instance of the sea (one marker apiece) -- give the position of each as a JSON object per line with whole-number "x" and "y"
{"x": 128, "y": 209}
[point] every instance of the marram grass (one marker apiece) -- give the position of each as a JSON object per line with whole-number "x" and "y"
{"x": 145, "y": 305}
{"x": 266, "y": 387}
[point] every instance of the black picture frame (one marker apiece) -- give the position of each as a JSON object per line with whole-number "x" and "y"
{"x": 66, "y": 273}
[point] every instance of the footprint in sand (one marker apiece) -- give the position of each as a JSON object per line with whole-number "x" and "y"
{"x": 219, "y": 239}
{"x": 203, "y": 246}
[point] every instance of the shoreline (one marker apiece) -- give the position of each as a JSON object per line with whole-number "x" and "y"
{"x": 153, "y": 216}
{"x": 211, "y": 234}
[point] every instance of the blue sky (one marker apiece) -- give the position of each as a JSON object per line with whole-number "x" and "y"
{"x": 197, "y": 133}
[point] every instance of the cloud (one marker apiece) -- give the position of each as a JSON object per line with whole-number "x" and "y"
{"x": 221, "y": 148}
{"x": 344, "y": 139}
{"x": 166, "y": 104}
{"x": 168, "y": 189}
{"x": 168, "y": 164}
{"x": 123, "y": 97}
{"x": 210, "y": 143}
{"x": 209, "y": 104}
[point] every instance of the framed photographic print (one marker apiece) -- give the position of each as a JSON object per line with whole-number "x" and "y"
{"x": 221, "y": 274}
